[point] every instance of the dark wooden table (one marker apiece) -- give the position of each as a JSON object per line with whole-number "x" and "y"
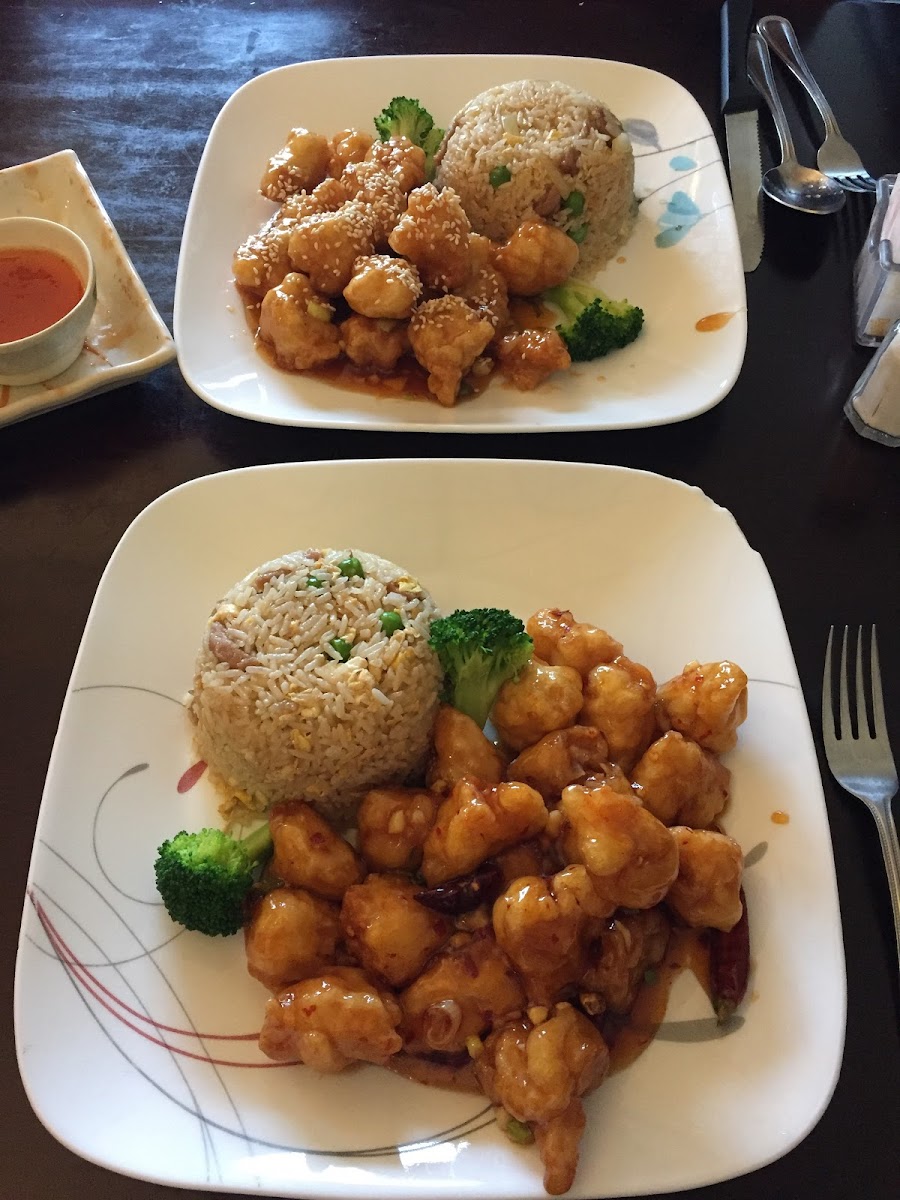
{"x": 133, "y": 86}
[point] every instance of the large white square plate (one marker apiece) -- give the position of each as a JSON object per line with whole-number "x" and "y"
{"x": 682, "y": 263}
{"x": 126, "y": 338}
{"x": 125, "y": 1026}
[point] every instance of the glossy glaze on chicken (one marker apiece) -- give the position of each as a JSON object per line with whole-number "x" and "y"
{"x": 491, "y": 927}
{"x": 368, "y": 264}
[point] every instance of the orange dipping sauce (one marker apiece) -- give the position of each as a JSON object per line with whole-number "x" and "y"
{"x": 37, "y": 288}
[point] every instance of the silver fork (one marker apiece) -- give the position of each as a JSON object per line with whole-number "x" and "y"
{"x": 863, "y": 765}
{"x": 836, "y": 156}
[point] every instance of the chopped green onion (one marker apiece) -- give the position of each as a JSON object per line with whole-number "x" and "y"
{"x": 578, "y": 234}
{"x": 518, "y": 1131}
{"x": 343, "y": 648}
{"x": 499, "y": 176}
{"x": 574, "y": 202}
{"x": 390, "y": 622}
{"x": 351, "y": 566}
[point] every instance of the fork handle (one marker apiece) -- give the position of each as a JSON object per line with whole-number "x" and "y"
{"x": 779, "y": 34}
{"x": 890, "y": 848}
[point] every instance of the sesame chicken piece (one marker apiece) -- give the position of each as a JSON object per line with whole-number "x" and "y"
{"x": 447, "y": 336}
{"x": 383, "y": 286}
{"x": 380, "y": 193}
{"x": 401, "y": 158}
{"x": 261, "y": 262}
{"x": 485, "y": 288}
{"x": 375, "y": 344}
{"x": 528, "y": 358}
{"x": 327, "y": 196}
{"x": 296, "y": 321}
{"x": 297, "y": 167}
{"x": 434, "y": 234}
{"x": 347, "y": 146}
{"x": 326, "y": 245}
{"x": 534, "y": 257}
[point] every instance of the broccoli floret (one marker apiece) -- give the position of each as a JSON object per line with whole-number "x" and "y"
{"x": 593, "y": 323}
{"x": 204, "y": 877}
{"x": 479, "y": 649}
{"x": 404, "y": 117}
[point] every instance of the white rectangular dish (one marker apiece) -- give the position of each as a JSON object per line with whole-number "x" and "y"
{"x": 682, "y": 264}
{"x": 136, "y": 1040}
{"x": 126, "y": 338}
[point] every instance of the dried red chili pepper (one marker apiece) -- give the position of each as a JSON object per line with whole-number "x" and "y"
{"x": 729, "y": 965}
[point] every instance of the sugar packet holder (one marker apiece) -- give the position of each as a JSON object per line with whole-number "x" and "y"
{"x": 876, "y": 278}
{"x": 873, "y": 407}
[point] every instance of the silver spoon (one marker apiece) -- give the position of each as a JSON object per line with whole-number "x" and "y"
{"x": 790, "y": 183}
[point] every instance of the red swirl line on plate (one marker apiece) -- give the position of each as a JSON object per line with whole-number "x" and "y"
{"x": 95, "y": 988}
{"x": 190, "y": 777}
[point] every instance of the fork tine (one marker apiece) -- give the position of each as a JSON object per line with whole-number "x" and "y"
{"x": 879, "y": 723}
{"x": 862, "y": 715}
{"x": 845, "y": 727}
{"x": 828, "y": 730}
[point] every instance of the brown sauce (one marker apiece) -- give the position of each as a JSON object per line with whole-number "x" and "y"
{"x": 688, "y": 950}
{"x": 37, "y": 288}
{"x": 713, "y": 322}
{"x": 779, "y": 818}
{"x": 435, "y": 1074}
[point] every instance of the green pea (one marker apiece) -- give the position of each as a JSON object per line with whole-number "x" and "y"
{"x": 578, "y": 234}
{"x": 351, "y": 566}
{"x": 518, "y": 1131}
{"x": 574, "y": 202}
{"x": 343, "y": 647}
{"x": 314, "y": 582}
{"x": 499, "y": 176}
{"x": 390, "y": 622}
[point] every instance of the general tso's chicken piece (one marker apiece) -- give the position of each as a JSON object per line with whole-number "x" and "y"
{"x": 485, "y": 287}
{"x": 476, "y": 821}
{"x": 262, "y": 261}
{"x": 309, "y": 854}
{"x": 345, "y": 147}
{"x": 560, "y": 639}
{"x": 460, "y": 748}
{"x": 544, "y": 924}
{"x": 527, "y": 858}
{"x": 539, "y": 700}
{"x": 632, "y": 857}
{"x": 680, "y": 782}
{"x": 381, "y": 195}
{"x": 373, "y": 345}
{"x": 401, "y": 158}
{"x": 297, "y": 167}
{"x": 331, "y": 1020}
{"x": 560, "y": 758}
{"x": 446, "y": 336}
{"x": 706, "y": 891}
{"x": 534, "y": 257}
{"x": 625, "y": 950}
{"x": 388, "y": 931}
{"x": 291, "y": 934}
{"x": 434, "y": 234}
{"x": 530, "y": 357}
{"x": 391, "y": 826}
{"x": 620, "y": 700}
{"x": 383, "y": 286}
{"x": 706, "y": 702}
{"x": 325, "y": 245}
{"x": 464, "y": 990}
{"x": 537, "y": 1073}
{"x": 608, "y": 775}
{"x": 296, "y": 322}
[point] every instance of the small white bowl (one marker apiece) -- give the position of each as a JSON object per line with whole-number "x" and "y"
{"x": 52, "y": 350}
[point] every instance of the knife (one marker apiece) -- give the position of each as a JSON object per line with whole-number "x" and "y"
{"x": 740, "y": 105}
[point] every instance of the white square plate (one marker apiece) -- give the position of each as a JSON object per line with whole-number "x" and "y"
{"x": 136, "y": 1041}
{"x": 126, "y": 337}
{"x": 682, "y": 264}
